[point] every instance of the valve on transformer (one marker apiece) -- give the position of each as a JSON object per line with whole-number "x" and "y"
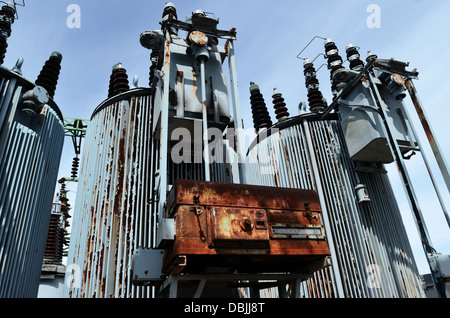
{"x": 261, "y": 117}
{"x": 280, "y": 106}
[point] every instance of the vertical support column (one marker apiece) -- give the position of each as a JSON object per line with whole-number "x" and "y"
{"x": 204, "y": 120}
{"x": 424, "y": 157}
{"x": 406, "y": 181}
{"x": 164, "y": 138}
{"x": 238, "y": 127}
{"x": 428, "y": 131}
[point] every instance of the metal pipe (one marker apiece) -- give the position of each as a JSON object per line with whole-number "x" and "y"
{"x": 164, "y": 132}
{"x": 424, "y": 157}
{"x": 419, "y": 220}
{"x": 428, "y": 131}
{"x": 239, "y": 175}
{"x": 204, "y": 119}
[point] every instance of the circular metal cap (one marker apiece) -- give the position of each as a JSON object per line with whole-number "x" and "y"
{"x": 40, "y": 95}
{"x": 56, "y": 55}
{"x": 398, "y": 79}
{"x": 198, "y": 38}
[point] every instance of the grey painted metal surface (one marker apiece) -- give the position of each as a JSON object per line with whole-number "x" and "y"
{"x": 112, "y": 211}
{"x": 371, "y": 254}
{"x": 30, "y": 152}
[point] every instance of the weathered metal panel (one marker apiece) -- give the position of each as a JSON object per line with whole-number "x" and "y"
{"x": 252, "y": 229}
{"x": 371, "y": 253}
{"x": 112, "y": 210}
{"x": 30, "y": 152}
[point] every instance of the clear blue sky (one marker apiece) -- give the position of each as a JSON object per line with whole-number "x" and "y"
{"x": 270, "y": 34}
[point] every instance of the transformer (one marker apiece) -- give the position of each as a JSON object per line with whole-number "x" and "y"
{"x": 370, "y": 251}
{"x": 111, "y": 216}
{"x": 168, "y": 200}
{"x": 31, "y": 143}
{"x": 160, "y": 178}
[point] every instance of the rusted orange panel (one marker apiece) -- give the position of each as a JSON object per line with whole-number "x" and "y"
{"x": 239, "y": 228}
{"x": 240, "y": 195}
{"x": 243, "y": 226}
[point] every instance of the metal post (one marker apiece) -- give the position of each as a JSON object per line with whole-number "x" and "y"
{"x": 238, "y": 127}
{"x": 424, "y": 157}
{"x": 419, "y": 220}
{"x": 204, "y": 120}
{"x": 428, "y": 131}
{"x": 401, "y": 166}
{"x": 163, "y": 146}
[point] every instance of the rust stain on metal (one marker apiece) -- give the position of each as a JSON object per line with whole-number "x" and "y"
{"x": 198, "y": 38}
{"x": 232, "y": 222}
{"x": 419, "y": 111}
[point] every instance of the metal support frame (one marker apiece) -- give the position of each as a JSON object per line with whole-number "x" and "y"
{"x": 76, "y": 129}
{"x": 255, "y": 281}
{"x": 424, "y": 157}
{"x": 204, "y": 120}
{"x": 429, "y": 132}
{"x": 406, "y": 181}
{"x": 164, "y": 139}
{"x": 162, "y": 119}
{"x": 239, "y": 173}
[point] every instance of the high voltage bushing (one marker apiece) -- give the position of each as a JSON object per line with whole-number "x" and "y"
{"x": 7, "y": 16}
{"x": 279, "y": 105}
{"x": 353, "y": 56}
{"x": 338, "y": 72}
{"x": 261, "y": 117}
{"x": 334, "y": 59}
{"x": 75, "y": 165}
{"x": 170, "y": 12}
{"x": 315, "y": 98}
{"x": 118, "y": 81}
{"x": 48, "y": 77}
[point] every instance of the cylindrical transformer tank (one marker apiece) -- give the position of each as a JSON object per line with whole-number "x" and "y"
{"x": 370, "y": 251}
{"x": 31, "y": 143}
{"x": 112, "y": 210}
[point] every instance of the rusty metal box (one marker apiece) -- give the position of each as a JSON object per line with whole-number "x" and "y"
{"x": 244, "y": 228}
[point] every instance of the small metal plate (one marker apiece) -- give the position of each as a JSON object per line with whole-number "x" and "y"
{"x": 311, "y": 232}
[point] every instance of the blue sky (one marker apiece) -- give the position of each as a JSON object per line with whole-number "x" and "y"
{"x": 270, "y": 34}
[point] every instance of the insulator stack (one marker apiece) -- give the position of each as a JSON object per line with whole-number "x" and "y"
{"x": 48, "y": 77}
{"x": 118, "y": 82}
{"x": 261, "y": 117}
{"x": 154, "y": 59}
{"x": 315, "y": 98}
{"x": 7, "y": 16}
{"x": 170, "y": 12}
{"x": 280, "y": 106}
{"x": 353, "y": 56}
{"x": 55, "y": 240}
{"x": 75, "y": 165}
{"x": 334, "y": 59}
